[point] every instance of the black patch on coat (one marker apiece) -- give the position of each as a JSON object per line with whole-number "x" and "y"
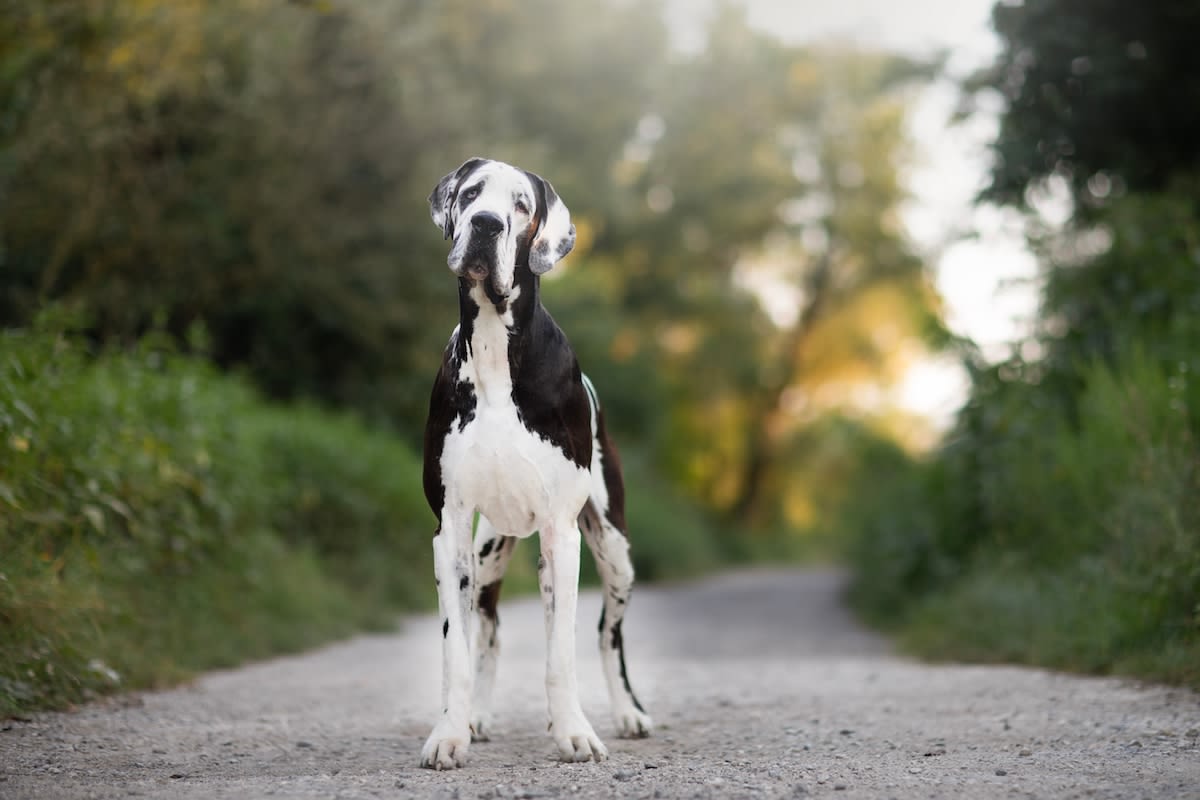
{"x": 445, "y": 627}
{"x": 486, "y": 550}
{"x": 449, "y": 400}
{"x": 618, "y": 644}
{"x": 610, "y": 462}
{"x": 489, "y": 600}
{"x": 548, "y": 387}
{"x": 444, "y": 195}
{"x": 463, "y": 582}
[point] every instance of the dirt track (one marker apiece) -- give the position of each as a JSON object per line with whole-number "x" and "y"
{"x": 760, "y": 684}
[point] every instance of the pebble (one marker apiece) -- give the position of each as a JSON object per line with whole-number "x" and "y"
{"x": 622, "y": 775}
{"x": 1026, "y": 752}
{"x": 839, "y": 787}
{"x": 1001, "y": 772}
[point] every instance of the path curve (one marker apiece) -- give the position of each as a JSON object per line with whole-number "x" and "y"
{"x": 760, "y": 683}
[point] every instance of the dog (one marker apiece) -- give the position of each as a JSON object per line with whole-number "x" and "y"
{"x": 516, "y": 434}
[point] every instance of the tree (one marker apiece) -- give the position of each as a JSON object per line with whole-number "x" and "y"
{"x": 1094, "y": 91}
{"x": 760, "y": 165}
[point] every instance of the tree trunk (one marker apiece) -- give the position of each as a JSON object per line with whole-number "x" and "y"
{"x": 767, "y": 415}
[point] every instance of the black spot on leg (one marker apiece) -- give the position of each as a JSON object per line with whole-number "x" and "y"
{"x": 445, "y": 627}
{"x": 618, "y": 644}
{"x": 463, "y": 581}
{"x": 486, "y": 550}
{"x": 489, "y": 599}
{"x": 603, "y": 611}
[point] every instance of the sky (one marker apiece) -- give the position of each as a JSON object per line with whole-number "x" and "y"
{"x": 986, "y": 280}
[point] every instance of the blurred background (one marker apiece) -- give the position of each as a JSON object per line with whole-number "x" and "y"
{"x": 913, "y": 287}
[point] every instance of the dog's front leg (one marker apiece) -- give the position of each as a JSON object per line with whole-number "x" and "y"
{"x": 454, "y": 567}
{"x": 558, "y": 579}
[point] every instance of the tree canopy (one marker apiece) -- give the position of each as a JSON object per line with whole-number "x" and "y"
{"x": 1094, "y": 91}
{"x": 259, "y": 168}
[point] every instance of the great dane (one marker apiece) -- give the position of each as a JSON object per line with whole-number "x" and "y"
{"x": 515, "y": 434}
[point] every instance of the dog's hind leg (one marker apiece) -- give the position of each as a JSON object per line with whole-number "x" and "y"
{"x": 610, "y": 548}
{"x": 492, "y": 553}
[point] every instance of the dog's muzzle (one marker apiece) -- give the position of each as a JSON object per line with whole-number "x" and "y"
{"x": 478, "y": 263}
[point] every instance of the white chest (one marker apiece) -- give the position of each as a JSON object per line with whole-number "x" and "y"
{"x": 517, "y": 480}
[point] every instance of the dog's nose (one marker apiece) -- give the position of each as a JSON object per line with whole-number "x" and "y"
{"x": 488, "y": 224}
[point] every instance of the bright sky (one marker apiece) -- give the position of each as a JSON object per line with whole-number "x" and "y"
{"x": 985, "y": 280}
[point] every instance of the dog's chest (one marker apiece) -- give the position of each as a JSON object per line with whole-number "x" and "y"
{"x": 493, "y": 462}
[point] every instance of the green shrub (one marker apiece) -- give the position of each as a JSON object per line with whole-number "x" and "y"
{"x": 1070, "y": 539}
{"x": 352, "y": 496}
{"x": 156, "y": 518}
{"x": 669, "y": 536}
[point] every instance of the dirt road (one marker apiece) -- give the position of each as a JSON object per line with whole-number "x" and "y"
{"x": 760, "y": 684}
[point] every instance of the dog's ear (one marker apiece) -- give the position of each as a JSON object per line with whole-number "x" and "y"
{"x": 555, "y": 235}
{"x": 441, "y": 199}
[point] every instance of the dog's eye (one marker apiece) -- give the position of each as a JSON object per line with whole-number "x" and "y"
{"x": 470, "y": 194}
{"x": 522, "y": 206}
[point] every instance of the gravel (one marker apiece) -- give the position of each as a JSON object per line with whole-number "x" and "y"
{"x": 760, "y": 683}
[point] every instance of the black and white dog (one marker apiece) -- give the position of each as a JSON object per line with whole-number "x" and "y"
{"x": 516, "y": 434}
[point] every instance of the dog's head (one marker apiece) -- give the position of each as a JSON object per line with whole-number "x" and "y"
{"x": 496, "y": 214}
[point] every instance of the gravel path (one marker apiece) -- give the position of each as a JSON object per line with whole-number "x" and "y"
{"x": 760, "y": 684}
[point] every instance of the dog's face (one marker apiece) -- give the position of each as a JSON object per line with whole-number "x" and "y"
{"x": 490, "y": 209}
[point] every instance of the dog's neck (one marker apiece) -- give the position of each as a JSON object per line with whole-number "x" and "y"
{"x": 494, "y": 333}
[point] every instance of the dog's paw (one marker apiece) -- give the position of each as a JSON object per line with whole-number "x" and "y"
{"x": 575, "y": 739}
{"x": 633, "y": 724}
{"x": 446, "y": 747}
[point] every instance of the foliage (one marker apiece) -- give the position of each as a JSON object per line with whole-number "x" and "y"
{"x": 158, "y": 519}
{"x": 1097, "y": 92}
{"x": 1058, "y": 523}
{"x": 261, "y": 167}
{"x": 1095, "y": 567}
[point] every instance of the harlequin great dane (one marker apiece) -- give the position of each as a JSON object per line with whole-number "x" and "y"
{"x": 515, "y": 433}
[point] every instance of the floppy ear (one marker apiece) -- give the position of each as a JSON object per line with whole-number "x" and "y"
{"x": 441, "y": 199}
{"x": 555, "y": 235}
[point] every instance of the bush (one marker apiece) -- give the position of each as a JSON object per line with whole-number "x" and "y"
{"x": 157, "y": 518}
{"x": 1065, "y": 538}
